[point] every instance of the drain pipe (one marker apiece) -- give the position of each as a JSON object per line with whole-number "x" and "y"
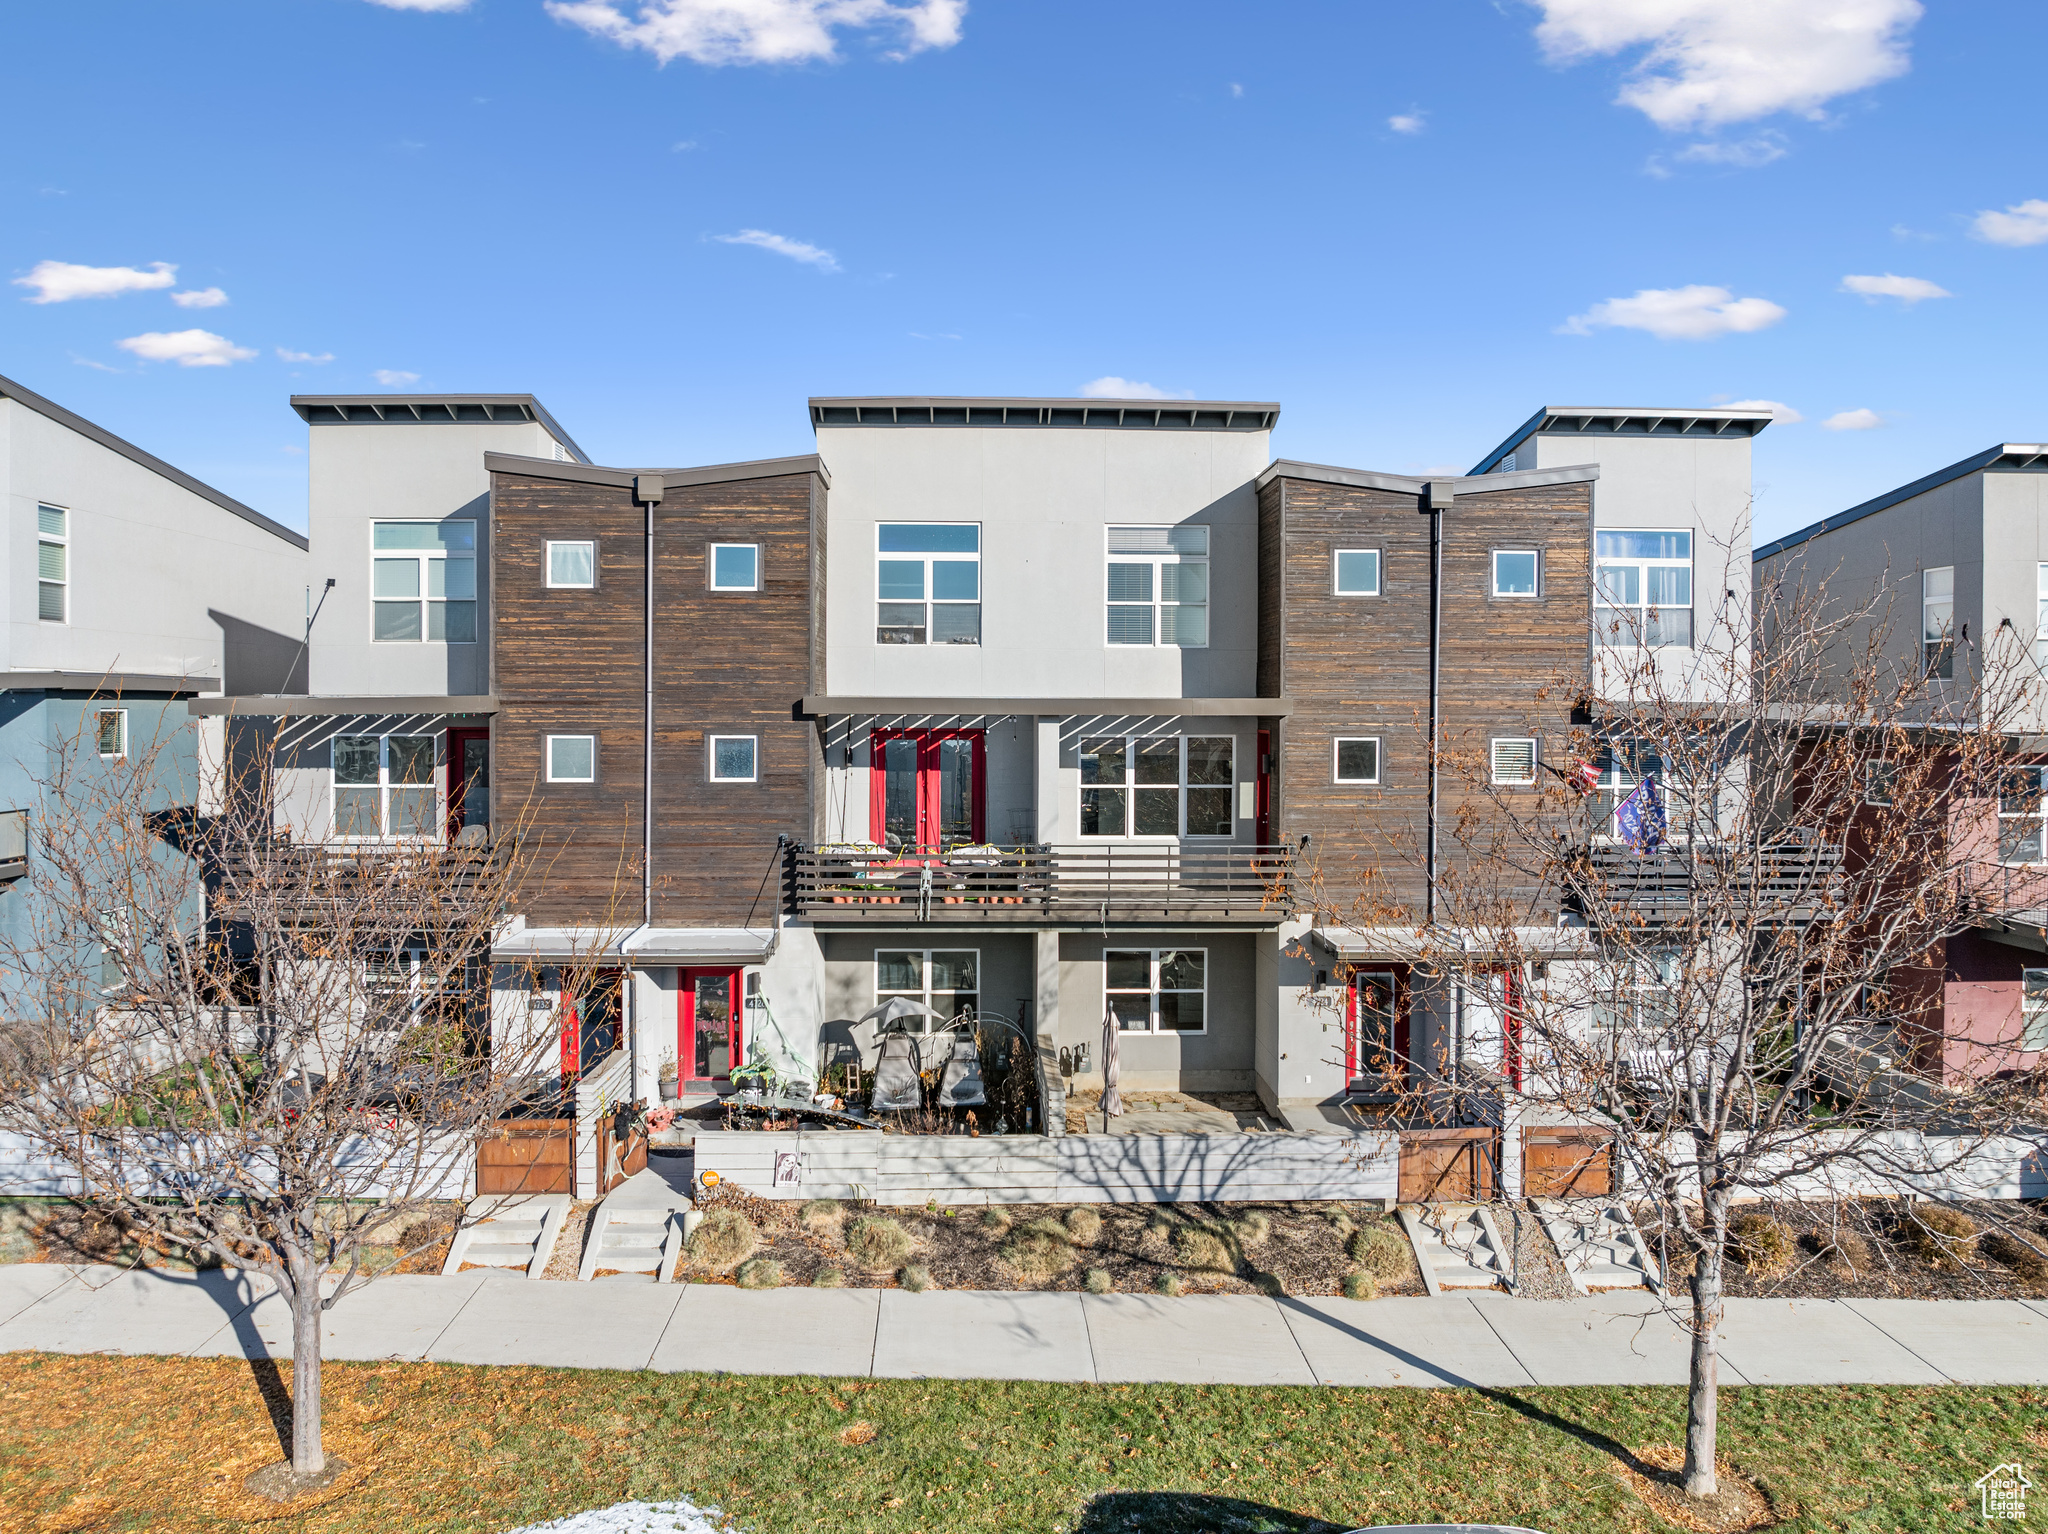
{"x": 647, "y": 489}
{"x": 1440, "y": 493}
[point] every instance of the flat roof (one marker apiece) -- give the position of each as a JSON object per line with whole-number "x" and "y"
{"x": 1004, "y": 410}
{"x": 2006, "y": 455}
{"x": 432, "y": 410}
{"x": 128, "y": 450}
{"x": 1632, "y": 421}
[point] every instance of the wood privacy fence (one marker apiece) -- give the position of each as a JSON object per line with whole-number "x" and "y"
{"x": 909, "y": 1170}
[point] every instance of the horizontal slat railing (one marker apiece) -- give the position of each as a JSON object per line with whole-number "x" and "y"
{"x": 1794, "y": 881}
{"x": 323, "y": 878}
{"x": 1235, "y": 882}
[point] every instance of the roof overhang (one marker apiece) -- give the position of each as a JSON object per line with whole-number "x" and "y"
{"x": 622, "y": 479}
{"x": 432, "y": 410}
{"x": 1409, "y": 484}
{"x": 106, "y": 684}
{"x": 1631, "y": 421}
{"x": 1405, "y": 945}
{"x": 2006, "y": 458}
{"x": 637, "y": 945}
{"x": 270, "y": 705}
{"x": 1188, "y": 708}
{"x": 1121, "y": 414}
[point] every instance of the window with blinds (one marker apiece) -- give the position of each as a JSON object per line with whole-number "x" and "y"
{"x": 53, "y": 564}
{"x": 1158, "y": 586}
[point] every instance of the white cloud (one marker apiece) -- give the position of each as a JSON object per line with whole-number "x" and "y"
{"x": 1853, "y": 420}
{"x": 422, "y": 5}
{"x": 187, "y": 348}
{"x": 1236, "y": 90}
{"x": 1695, "y": 313}
{"x": 1907, "y": 232}
{"x": 1708, "y": 62}
{"x": 782, "y": 245}
{"x": 682, "y": 146}
{"x": 1907, "y": 290}
{"x": 1743, "y": 154}
{"x": 284, "y": 355}
{"x": 1112, "y": 387}
{"x": 58, "y": 282}
{"x": 199, "y": 298}
{"x": 1781, "y": 412}
{"x": 395, "y": 378}
{"x": 760, "y": 31}
{"x": 1407, "y": 122}
{"x": 2023, "y": 223}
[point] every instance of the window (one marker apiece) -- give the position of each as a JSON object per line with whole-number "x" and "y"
{"x": 1158, "y": 586}
{"x": 1643, "y": 588}
{"x": 53, "y": 564}
{"x": 384, "y": 786}
{"x": 1937, "y": 621}
{"x": 1157, "y": 990}
{"x": 735, "y": 567}
{"x": 423, "y": 582}
{"x": 2041, "y": 619}
{"x": 2020, "y": 816}
{"x": 117, "y": 939}
{"x": 1162, "y": 785}
{"x": 1357, "y": 759}
{"x": 1514, "y": 762}
{"x": 1514, "y": 572}
{"x": 948, "y": 980}
{"x": 1643, "y": 1005}
{"x": 732, "y": 758}
{"x": 2034, "y": 1010}
{"x": 573, "y": 564}
{"x": 928, "y": 583}
{"x": 1877, "y": 782}
{"x": 1357, "y": 572}
{"x": 1622, "y": 765}
{"x": 111, "y": 725}
{"x": 572, "y": 758}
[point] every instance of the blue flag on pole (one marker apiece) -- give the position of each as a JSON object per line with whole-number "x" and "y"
{"x": 1640, "y": 819}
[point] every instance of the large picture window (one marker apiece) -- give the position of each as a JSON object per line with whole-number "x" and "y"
{"x": 423, "y": 582}
{"x": 1643, "y": 588}
{"x": 948, "y": 980}
{"x": 384, "y": 786}
{"x": 1157, "y": 990}
{"x": 1158, "y": 785}
{"x": 928, "y": 583}
{"x": 1158, "y": 586}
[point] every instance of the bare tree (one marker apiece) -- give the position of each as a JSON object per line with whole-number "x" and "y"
{"x": 265, "y": 1050}
{"x": 1714, "y": 926}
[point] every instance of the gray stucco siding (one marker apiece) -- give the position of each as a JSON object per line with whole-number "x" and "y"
{"x": 1219, "y": 1058}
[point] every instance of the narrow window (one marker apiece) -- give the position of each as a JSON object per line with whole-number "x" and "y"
{"x": 1157, "y": 990}
{"x": 1357, "y": 572}
{"x": 572, "y": 564}
{"x": 1157, "y": 586}
{"x": 1514, "y": 762}
{"x": 1643, "y": 588}
{"x": 732, "y": 758}
{"x": 1937, "y": 621}
{"x": 1158, "y": 786}
{"x": 1357, "y": 759}
{"x": 1877, "y": 782}
{"x": 111, "y": 725}
{"x": 947, "y": 980}
{"x": 1514, "y": 572}
{"x": 572, "y": 758}
{"x": 53, "y": 564}
{"x": 423, "y": 582}
{"x": 928, "y": 583}
{"x": 2034, "y": 1010}
{"x": 735, "y": 567}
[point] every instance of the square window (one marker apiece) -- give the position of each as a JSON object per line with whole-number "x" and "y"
{"x": 1156, "y": 586}
{"x": 572, "y": 564}
{"x": 946, "y": 980}
{"x": 572, "y": 758}
{"x": 1357, "y": 759}
{"x": 1357, "y": 572}
{"x": 928, "y": 583}
{"x": 1157, "y": 990}
{"x": 732, "y": 758}
{"x": 1514, "y": 762}
{"x": 112, "y": 727}
{"x": 735, "y": 567}
{"x": 1514, "y": 572}
{"x": 423, "y": 582}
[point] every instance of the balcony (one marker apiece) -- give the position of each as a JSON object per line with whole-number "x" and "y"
{"x": 310, "y": 884}
{"x": 1032, "y": 886}
{"x": 1787, "y": 883}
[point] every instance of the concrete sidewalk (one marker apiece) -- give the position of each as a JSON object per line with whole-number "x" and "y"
{"x": 483, "y": 1317}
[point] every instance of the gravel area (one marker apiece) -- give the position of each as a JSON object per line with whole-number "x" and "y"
{"x": 1539, "y": 1271}
{"x": 638, "y": 1518}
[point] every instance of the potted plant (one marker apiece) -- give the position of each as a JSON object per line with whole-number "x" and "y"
{"x": 667, "y": 1075}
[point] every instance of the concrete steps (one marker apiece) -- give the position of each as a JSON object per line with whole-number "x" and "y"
{"x": 638, "y": 1229}
{"x": 1598, "y": 1243}
{"x": 509, "y": 1231}
{"x": 1457, "y": 1246}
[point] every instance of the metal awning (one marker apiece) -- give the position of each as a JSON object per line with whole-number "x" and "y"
{"x": 638, "y": 945}
{"x": 1403, "y": 945}
{"x": 279, "y": 705}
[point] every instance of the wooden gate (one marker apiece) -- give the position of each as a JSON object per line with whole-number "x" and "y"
{"x": 633, "y": 1158}
{"x": 1440, "y": 1166}
{"x": 1567, "y": 1161}
{"x": 528, "y": 1156}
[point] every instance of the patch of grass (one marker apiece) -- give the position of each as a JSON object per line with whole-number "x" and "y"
{"x": 1084, "y": 1225}
{"x": 915, "y": 1277}
{"x": 2013, "y": 1253}
{"x": 725, "y": 1239}
{"x": 877, "y": 1242}
{"x": 995, "y": 1220}
{"x": 1845, "y": 1246}
{"x": 1761, "y": 1244}
{"x": 1098, "y": 1281}
{"x": 1361, "y": 1286}
{"x": 1382, "y": 1250}
{"x": 1252, "y": 1229}
{"x": 1940, "y": 1236}
{"x": 829, "y": 1277}
{"x": 1171, "y": 1284}
{"x": 821, "y": 1215}
{"x": 760, "y": 1273}
{"x": 1203, "y": 1248}
{"x": 1040, "y": 1250}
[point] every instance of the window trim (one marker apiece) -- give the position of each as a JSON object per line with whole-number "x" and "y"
{"x": 1877, "y": 779}
{"x": 1493, "y": 745}
{"x": 711, "y": 774}
{"x": 711, "y": 581}
{"x": 548, "y": 567}
{"x": 1157, "y": 602}
{"x": 1152, "y": 1030}
{"x": 924, "y": 973}
{"x": 120, "y": 753}
{"x": 1938, "y": 656}
{"x": 1180, "y": 788}
{"x": 1635, "y": 634}
{"x": 425, "y": 557}
{"x": 929, "y": 601}
{"x": 59, "y": 541}
{"x": 1379, "y": 561}
{"x": 548, "y": 758}
{"x": 437, "y": 821}
{"x": 1337, "y": 744}
{"x": 1493, "y": 565}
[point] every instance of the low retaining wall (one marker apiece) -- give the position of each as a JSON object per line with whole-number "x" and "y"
{"x": 444, "y": 1170}
{"x": 909, "y": 1170}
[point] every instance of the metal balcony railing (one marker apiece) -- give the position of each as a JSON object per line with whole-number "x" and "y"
{"x": 314, "y": 882}
{"x": 1786, "y": 882}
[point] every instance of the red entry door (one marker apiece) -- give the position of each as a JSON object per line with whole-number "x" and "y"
{"x": 926, "y": 789}
{"x": 708, "y": 1016}
{"x": 469, "y": 779}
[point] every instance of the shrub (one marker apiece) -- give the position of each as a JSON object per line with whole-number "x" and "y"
{"x": 876, "y": 1241}
{"x": 1845, "y": 1246}
{"x": 1360, "y": 1285}
{"x": 1198, "y": 1246}
{"x": 1270, "y": 1284}
{"x": 1099, "y": 1281}
{"x": 760, "y": 1273}
{"x": 1940, "y": 1236}
{"x": 1760, "y": 1244}
{"x": 1340, "y": 1219}
{"x": 1252, "y": 1228}
{"x": 1382, "y": 1251}
{"x": 725, "y": 1238}
{"x": 995, "y": 1221}
{"x": 829, "y": 1278}
{"x": 2023, "y": 1259}
{"x": 1039, "y": 1250}
{"x": 820, "y": 1215}
{"x": 915, "y": 1277}
{"x": 1084, "y": 1225}
{"x": 1160, "y": 1224}
{"x": 1171, "y": 1284}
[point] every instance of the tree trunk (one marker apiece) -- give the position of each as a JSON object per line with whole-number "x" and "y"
{"x": 1703, "y": 1399}
{"x": 308, "y": 1457}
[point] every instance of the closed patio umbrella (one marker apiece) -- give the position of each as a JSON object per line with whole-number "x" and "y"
{"x": 1112, "y": 1099}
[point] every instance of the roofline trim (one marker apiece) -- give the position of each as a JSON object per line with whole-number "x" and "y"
{"x": 711, "y": 474}
{"x": 888, "y": 410}
{"x": 283, "y": 705}
{"x": 105, "y": 683}
{"x": 304, "y": 403}
{"x": 1408, "y": 484}
{"x": 1543, "y": 418}
{"x": 106, "y": 439}
{"x": 1150, "y": 708}
{"x": 2030, "y": 453}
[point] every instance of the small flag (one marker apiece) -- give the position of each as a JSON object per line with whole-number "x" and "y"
{"x": 1585, "y": 777}
{"x": 1640, "y": 818}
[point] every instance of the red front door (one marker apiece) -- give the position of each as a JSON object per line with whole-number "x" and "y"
{"x": 708, "y": 1024}
{"x": 469, "y": 779}
{"x": 926, "y": 789}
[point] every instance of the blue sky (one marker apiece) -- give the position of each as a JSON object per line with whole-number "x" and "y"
{"x": 675, "y": 219}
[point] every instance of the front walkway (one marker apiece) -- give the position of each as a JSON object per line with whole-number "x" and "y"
{"x": 1490, "y": 1340}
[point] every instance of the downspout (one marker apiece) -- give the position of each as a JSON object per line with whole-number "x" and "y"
{"x": 647, "y": 489}
{"x": 1440, "y": 494}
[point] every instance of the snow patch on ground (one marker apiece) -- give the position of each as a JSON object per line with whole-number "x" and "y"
{"x": 638, "y": 1518}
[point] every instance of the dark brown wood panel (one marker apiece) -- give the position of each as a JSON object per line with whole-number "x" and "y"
{"x": 528, "y": 1156}
{"x": 1567, "y": 1163}
{"x": 1448, "y": 1166}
